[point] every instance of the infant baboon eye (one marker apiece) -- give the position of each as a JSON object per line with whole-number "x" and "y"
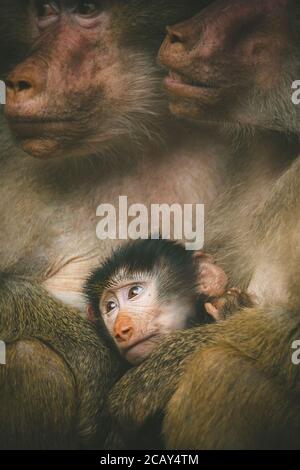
{"x": 46, "y": 9}
{"x": 134, "y": 291}
{"x": 86, "y": 8}
{"x": 110, "y": 306}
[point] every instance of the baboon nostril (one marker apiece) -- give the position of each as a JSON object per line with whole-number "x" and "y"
{"x": 18, "y": 85}
{"x": 175, "y": 36}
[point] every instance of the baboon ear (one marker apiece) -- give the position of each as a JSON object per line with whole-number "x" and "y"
{"x": 91, "y": 314}
{"x": 202, "y": 257}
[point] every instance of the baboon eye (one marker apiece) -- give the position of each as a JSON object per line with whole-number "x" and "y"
{"x": 134, "y": 291}
{"x": 46, "y": 9}
{"x": 86, "y": 8}
{"x": 110, "y": 306}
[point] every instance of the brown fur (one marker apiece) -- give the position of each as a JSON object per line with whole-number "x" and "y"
{"x": 58, "y": 372}
{"x": 235, "y": 387}
{"x": 114, "y": 137}
{"x": 221, "y": 374}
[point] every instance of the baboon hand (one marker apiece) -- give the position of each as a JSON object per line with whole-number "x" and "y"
{"x": 232, "y": 301}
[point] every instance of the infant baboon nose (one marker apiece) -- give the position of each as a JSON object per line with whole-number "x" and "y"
{"x": 123, "y": 330}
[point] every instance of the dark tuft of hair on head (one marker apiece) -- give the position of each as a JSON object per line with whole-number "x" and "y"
{"x": 167, "y": 261}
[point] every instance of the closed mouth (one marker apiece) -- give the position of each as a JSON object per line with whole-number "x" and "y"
{"x": 39, "y": 120}
{"x": 138, "y": 342}
{"x": 181, "y": 85}
{"x": 182, "y": 79}
{"x": 26, "y": 128}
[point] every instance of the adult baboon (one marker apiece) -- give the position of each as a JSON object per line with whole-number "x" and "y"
{"x": 235, "y": 386}
{"x": 85, "y": 99}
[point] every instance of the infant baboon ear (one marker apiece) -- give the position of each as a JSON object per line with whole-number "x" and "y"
{"x": 91, "y": 314}
{"x": 220, "y": 301}
{"x": 212, "y": 281}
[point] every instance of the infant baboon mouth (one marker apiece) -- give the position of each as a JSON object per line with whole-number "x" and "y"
{"x": 140, "y": 341}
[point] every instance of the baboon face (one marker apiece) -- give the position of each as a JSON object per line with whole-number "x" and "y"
{"x": 91, "y": 77}
{"x": 230, "y": 57}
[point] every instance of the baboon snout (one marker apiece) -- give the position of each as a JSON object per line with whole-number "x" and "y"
{"x": 123, "y": 329}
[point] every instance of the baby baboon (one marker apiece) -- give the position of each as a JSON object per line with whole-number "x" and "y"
{"x": 149, "y": 288}
{"x": 83, "y": 92}
{"x": 233, "y": 385}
